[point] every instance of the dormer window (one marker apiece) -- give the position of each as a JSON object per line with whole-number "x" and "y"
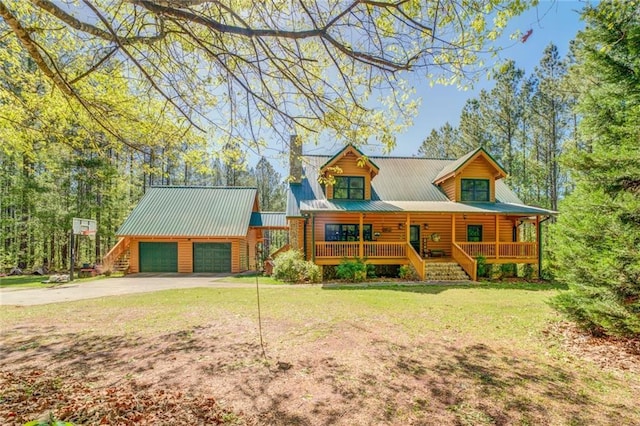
{"x": 348, "y": 188}
{"x": 474, "y": 190}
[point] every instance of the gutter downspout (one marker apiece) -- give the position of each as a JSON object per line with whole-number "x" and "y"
{"x": 540, "y": 245}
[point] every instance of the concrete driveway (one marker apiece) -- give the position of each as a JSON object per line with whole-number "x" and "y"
{"x": 139, "y": 283}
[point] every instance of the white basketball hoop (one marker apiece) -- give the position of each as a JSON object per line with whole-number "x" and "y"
{"x": 80, "y": 226}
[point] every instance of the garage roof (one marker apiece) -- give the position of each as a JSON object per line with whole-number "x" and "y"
{"x": 191, "y": 212}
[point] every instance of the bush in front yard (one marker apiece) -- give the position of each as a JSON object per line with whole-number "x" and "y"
{"x": 291, "y": 267}
{"x": 355, "y": 270}
{"x": 408, "y": 272}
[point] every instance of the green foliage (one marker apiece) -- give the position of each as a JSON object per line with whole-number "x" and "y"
{"x": 356, "y": 270}
{"x": 51, "y": 421}
{"x": 509, "y": 270}
{"x": 483, "y": 269}
{"x": 387, "y": 270}
{"x": 596, "y": 240}
{"x": 291, "y": 267}
{"x": 370, "y": 45}
{"x": 528, "y": 271}
{"x": 599, "y": 310}
{"x": 408, "y": 272}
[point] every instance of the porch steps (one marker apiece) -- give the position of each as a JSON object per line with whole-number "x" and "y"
{"x": 444, "y": 271}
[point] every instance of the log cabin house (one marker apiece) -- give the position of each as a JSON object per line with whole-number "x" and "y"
{"x": 437, "y": 215}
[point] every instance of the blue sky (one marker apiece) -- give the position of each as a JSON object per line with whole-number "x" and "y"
{"x": 551, "y": 21}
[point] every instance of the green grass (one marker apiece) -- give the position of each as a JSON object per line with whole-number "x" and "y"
{"x": 251, "y": 279}
{"x": 36, "y": 281}
{"x": 471, "y": 354}
{"x": 23, "y": 281}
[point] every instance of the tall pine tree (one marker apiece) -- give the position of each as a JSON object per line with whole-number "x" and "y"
{"x": 597, "y": 237}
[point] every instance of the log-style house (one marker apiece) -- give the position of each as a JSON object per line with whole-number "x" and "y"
{"x": 437, "y": 215}
{"x": 418, "y": 211}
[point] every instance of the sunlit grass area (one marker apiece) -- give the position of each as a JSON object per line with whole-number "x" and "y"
{"x": 449, "y": 354}
{"x": 38, "y": 281}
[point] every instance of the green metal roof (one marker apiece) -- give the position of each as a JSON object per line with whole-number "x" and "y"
{"x": 268, "y": 220}
{"x": 191, "y": 212}
{"x": 343, "y": 150}
{"x": 402, "y": 184}
{"x": 457, "y": 164}
{"x": 420, "y": 206}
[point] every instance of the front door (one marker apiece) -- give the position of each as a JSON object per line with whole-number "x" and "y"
{"x": 414, "y": 237}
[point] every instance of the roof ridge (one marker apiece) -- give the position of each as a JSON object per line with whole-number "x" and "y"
{"x": 400, "y": 157}
{"x": 202, "y": 187}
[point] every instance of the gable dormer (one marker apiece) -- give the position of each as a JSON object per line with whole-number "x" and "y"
{"x": 471, "y": 178}
{"x": 348, "y": 175}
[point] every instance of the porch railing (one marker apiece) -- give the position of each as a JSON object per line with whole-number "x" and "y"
{"x": 371, "y": 249}
{"x": 337, "y": 249}
{"x": 518, "y": 250}
{"x": 380, "y": 249}
{"x": 524, "y": 250}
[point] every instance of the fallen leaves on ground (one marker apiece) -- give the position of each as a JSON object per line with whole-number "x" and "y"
{"x": 37, "y": 394}
{"x": 607, "y": 352}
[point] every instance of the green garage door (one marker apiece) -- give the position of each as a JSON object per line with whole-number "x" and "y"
{"x": 211, "y": 257}
{"x": 158, "y": 257}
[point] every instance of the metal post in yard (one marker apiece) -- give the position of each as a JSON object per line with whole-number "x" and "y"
{"x": 72, "y": 258}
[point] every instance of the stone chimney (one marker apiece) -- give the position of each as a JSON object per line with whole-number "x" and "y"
{"x": 295, "y": 159}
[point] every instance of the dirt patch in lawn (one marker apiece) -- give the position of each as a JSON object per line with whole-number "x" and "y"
{"x": 345, "y": 373}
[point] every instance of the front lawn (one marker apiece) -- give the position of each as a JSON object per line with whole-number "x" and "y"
{"x": 251, "y": 279}
{"x": 22, "y": 281}
{"x": 447, "y": 355}
{"x": 36, "y": 281}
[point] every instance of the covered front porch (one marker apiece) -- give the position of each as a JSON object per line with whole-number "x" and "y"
{"x": 421, "y": 238}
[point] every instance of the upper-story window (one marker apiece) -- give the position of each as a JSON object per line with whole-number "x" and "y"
{"x": 348, "y": 188}
{"x": 475, "y": 190}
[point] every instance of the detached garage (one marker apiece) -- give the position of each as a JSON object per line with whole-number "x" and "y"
{"x": 192, "y": 229}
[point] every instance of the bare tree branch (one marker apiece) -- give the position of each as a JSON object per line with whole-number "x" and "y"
{"x": 73, "y": 22}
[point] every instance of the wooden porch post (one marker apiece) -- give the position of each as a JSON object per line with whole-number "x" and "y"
{"x": 361, "y": 234}
{"x": 539, "y": 246}
{"x": 453, "y": 228}
{"x": 497, "y": 237}
{"x": 407, "y": 228}
{"x": 313, "y": 238}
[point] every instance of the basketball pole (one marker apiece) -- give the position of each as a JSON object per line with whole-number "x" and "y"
{"x": 72, "y": 258}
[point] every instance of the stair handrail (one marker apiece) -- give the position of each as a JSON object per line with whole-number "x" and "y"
{"x": 416, "y": 261}
{"x": 468, "y": 263}
{"x": 116, "y": 251}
